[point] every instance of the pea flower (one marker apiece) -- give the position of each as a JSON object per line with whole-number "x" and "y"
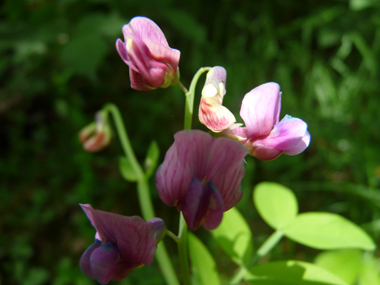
{"x": 212, "y": 113}
{"x": 152, "y": 63}
{"x": 96, "y": 135}
{"x": 121, "y": 244}
{"x": 201, "y": 176}
{"x": 264, "y": 135}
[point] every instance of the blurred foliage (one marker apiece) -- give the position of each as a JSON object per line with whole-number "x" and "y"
{"x": 58, "y": 66}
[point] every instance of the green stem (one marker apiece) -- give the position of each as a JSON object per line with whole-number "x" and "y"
{"x": 189, "y": 108}
{"x": 183, "y": 88}
{"x": 264, "y": 249}
{"x": 182, "y": 251}
{"x": 143, "y": 193}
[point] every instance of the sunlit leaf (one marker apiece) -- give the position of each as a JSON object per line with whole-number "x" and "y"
{"x": 204, "y": 266}
{"x": 276, "y": 204}
{"x": 369, "y": 274}
{"x": 327, "y": 231}
{"x": 291, "y": 273}
{"x": 234, "y": 236}
{"x": 343, "y": 263}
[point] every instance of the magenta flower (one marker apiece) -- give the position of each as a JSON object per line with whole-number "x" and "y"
{"x": 121, "y": 244}
{"x": 264, "y": 136}
{"x": 152, "y": 63}
{"x": 201, "y": 175}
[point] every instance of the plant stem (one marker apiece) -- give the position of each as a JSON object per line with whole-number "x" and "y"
{"x": 143, "y": 193}
{"x": 264, "y": 249}
{"x": 183, "y": 88}
{"x": 189, "y": 108}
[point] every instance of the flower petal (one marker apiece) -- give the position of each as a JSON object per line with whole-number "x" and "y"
{"x": 134, "y": 237}
{"x": 260, "y": 109}
{"x": 185, "y": 159}
{"x": 225, "y": 168}
{"x": 103, "y": 262}
{"x": 151, "y": 34}
{"x": 215, "y": 117}
{"x": 300, "y": 147}
{"x": 84, "y": 262}
{"x": 203, "y": 204}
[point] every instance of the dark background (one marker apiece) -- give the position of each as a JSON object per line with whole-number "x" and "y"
{"x": 59, "y": 65}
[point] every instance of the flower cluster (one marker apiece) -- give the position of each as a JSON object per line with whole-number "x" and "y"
{"x": 201, "y": 175}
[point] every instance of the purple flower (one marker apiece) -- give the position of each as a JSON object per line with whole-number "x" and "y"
{"x": 201, "y": 175}
{"x": 212, "y": 113}
{"x": 264, "y": 135}
{"x": 121, "y": 244}
{"x": 152, "y": 63}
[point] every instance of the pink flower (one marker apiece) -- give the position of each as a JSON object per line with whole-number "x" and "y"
{"x": 121, "y": 244}
{"x": 152, "y": 63}
{"x": 212, "y": 113}
{"x": 264, "y": 135}
{"x": 201, "y": 175}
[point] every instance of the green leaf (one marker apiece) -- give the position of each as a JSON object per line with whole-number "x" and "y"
{"x": 151, "y": 159}
{"x": 234, "y": 236}
{"x": 327, "y": 231}
{"x": 127, "y": 171}
{"x": 369, "y": 274}
{"x": 291, "y": 273}
{"x": 276, "y": 204}
{"x": 345, "y": 263}
{"x": 204, "y": 266}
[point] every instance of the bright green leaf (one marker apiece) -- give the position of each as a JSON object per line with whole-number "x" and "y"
{"x": 343, "y": 263}
{"x": 127, "y": 170}
{"x": 291, "y": 273}
{"x": 369, "y": 274}
{"x": 276, "y": 204}
{"x": 327, "y": 231}
{"x": 204, "y": 266}
{"x": 234, "y": 236}
{"x": 151, "y": 159}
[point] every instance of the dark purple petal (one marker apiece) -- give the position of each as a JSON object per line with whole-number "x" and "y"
{"x": 84, "y": 262}
{"x": 225, "y": 168}
{"x": 260, "y": 109}
{"x": 203, "y": 202}
{"x": 185, "y": 159}
{"x": 159, "y": 227}
{"x": 215, "y": 210}
{"x": 134, "y": 237}
{"x": 103, "y": 262}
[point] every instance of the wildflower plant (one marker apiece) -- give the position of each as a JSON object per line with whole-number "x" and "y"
{"x": 201, "y": 176}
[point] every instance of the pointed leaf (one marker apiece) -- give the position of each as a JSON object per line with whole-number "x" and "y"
{"x": 204, "y": 266}
{"x": 276, "y": 204}
{"x": 151, "y": 159}
{"x": 127, "y": 170}
{"x": 234, "y": 236}
{"x": 327, "y": 231}
{"x": 291, "y": 273}
{"x": 345, "y": 263}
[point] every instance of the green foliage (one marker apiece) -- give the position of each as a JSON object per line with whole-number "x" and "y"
{"x": 58, "y": 66}
{"x": 234, "y": 236}
{"x": 291, "y": 273}
{"x": 204, "y": 266}
{"x": 276, "y": 204}
{"x": 151, "y": 159}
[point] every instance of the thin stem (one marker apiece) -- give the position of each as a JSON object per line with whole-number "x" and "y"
{"x": 143, "y": 194}
{"x": 182, "y": 251}
{"x": 183, "y": 88}
{"x": 264, "y": 249}
{"x": 173, "y": 236}
{"x": 189, "y": 108}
